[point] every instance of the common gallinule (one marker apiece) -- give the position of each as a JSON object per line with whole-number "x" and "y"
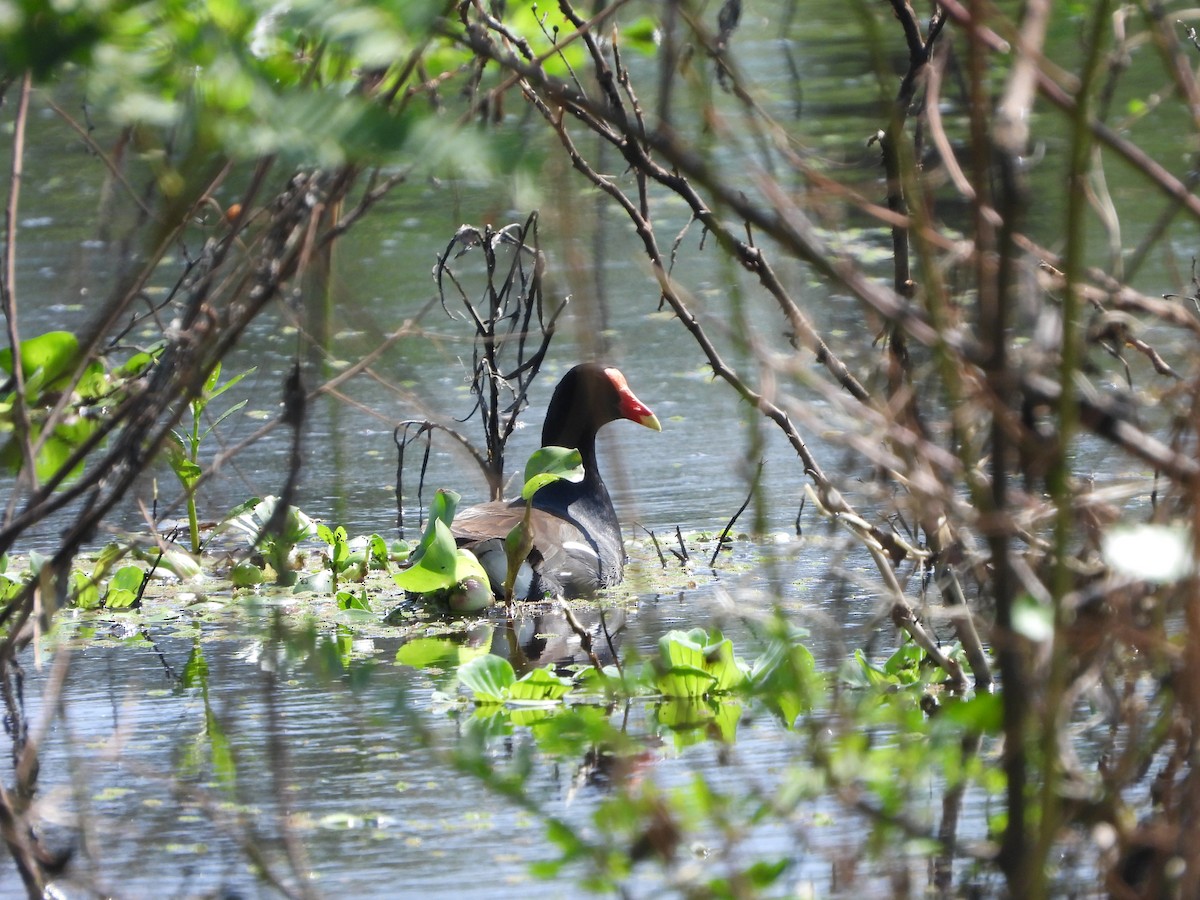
{"x": 577, "y": 544}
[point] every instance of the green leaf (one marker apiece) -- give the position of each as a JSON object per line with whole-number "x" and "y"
{"x": 128, "y": 578}
{"x": 437, "y": 568}
{"x": 136, "y": 364}
{"x": 348, "y": 600}
{"x": 691, "y": 664}
{"x": 540, "y": 685}
{"x": 862, "y": 673}
{"x": 211, "y": 382}
{"x": 764, "y": 874}
{"x": 720, "y": 662}
{"x": 548, "y": 465}
{"x": 488, "y": 678}
{"x": 123, "y": 589}
{"x": 683, "y": 681}
{"x": 378, "y": 552}
{"x": 441, "y": 509}
{"x": 225, "y": 415}
{"x": 54, "y": 352}
{"x": 218, "y": 391}
{"x": 84, "y": 592}
{"x": 641, "y": 34}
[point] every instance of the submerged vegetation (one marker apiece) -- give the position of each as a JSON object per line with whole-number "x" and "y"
{"x": 1000, "y": 367}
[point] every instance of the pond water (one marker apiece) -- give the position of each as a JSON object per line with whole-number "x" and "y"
{"x": 132, "y": 773}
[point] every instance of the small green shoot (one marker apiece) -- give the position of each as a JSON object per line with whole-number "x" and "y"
{"x": 338, "y": 559}
{"x": 183, "y": 450}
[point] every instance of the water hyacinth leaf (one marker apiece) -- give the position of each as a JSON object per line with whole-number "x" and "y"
{"x": 528, "y": 716}
{"x": 690, "y": 682}
{"x": 548, "y": 465}
{"x": 488, "y": 677}
{"x": 574, "y": 730}
{"x": 436, "y": 569}
{"x": 539, "y": 685}
{"x": 339, "y": 548}
{"x": 638, "y": 680}
{"x": 1158, "y": 553}
{"x": 724, "y": 666}
{"x": 124, "y": 587}
{"x": 785, "y": 678}
{"x": 54, "y": 353}
{"x": 312, "y": 582}
{"x": 905, "y": 663}
{"x": 679, "y": 648}
{"x": 349, "y": 600}
{"x": 860, "y": 673}
{"x": 692, "y": 721}
{"x": 729, "y": 713}
{"x": 467, "y": 565}
{"x": 175, "y": 560}
{"x": 84, "y": 592}
{"x": 441, "y": 509}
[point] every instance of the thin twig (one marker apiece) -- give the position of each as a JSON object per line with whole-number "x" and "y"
{"x": 741, "y": 509}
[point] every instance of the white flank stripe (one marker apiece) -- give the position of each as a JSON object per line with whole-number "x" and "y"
{"x": 577, "y": 547}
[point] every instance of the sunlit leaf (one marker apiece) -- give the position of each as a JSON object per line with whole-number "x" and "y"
{"x": 441, "y": 509}
{"x": 720, "y": 662}
{"x": 54, "y": 353}
{"x": 539, "y": 685}
{"x": 684, "y": 681}
{"x": 123, "y": 588}
{"x": 436, "y": 569}
{"x": 85, "y": 594}
{"x": 548, "y": 465}
{"x": 488, "y": 677}
{"x": 349, "y": 600}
